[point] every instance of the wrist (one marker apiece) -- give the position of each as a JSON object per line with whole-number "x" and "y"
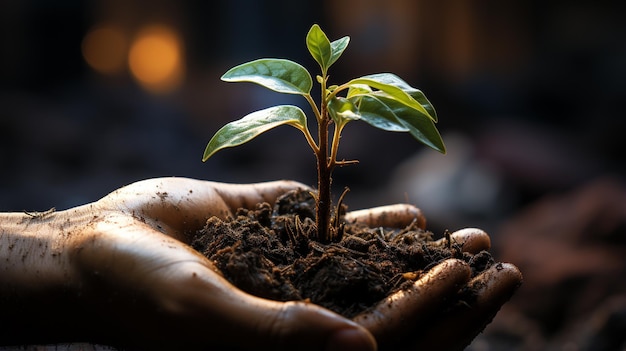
{"x": 34, "y": 249}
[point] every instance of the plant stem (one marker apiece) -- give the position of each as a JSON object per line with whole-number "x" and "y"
{"x": 324, "y": 170}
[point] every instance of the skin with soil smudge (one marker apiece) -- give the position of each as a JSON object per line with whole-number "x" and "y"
{"x": 267, "y": 253}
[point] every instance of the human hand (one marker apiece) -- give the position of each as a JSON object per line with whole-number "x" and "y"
{"x": 428, "y": 316}
{"x": 123, "y": 275}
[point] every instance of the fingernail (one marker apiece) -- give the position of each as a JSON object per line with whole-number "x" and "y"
{"x": 351, "y": 339}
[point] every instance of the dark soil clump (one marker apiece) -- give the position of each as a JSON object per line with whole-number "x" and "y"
{"x": 268, "y": 252}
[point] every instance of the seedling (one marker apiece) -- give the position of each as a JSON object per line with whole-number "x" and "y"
{"x": 383, "y": 100}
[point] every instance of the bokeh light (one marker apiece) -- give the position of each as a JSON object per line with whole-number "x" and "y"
{"x": 155, "y": 59}
{"x": 104, "y": 48}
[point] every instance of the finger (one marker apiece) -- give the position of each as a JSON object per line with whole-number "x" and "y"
{"x": 210, "y": 317}
{"x": 304, "y": 326}
{"x": 248, "y": 195}
{"x": 484, "y": 296}
{"x": 400, "y": 314}
{"x": 392, "y": 216}
{"x": 218, "y": 318}
{"x": 177, "y": 206}
{"x": 472, "y": 240}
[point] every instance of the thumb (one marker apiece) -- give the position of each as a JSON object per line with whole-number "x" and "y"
{"x": 205, "y": 310}
{"x": 182, "y": 205}
{"x": 232, "y": 318}
{"x": 248, "y": 195}
{"x": 305, "y": 326}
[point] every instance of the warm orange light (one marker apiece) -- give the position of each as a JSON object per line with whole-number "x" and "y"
{"x": 104, "y": 49}
{"x": 155, "y": 59}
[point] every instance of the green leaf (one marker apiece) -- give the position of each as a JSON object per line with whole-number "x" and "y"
{"x": 358, "y": 89}
{"x": 342, "y": 110}
{"x": 322, "y": 50}
{"x": 376, "y": 113}
{"x": 337, "y": 48}
{"x": 419, "y": 125}
{"x": 421, "y": 98}
{"x": 380, "y": 82}
{"x": 249, "y": 127}
{"x": 319, "y": 46}
{"x": 283, "y": 76}
{"x": 392, "y": 79}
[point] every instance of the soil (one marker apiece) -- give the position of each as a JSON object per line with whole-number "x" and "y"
{"x": 268, "y": 252}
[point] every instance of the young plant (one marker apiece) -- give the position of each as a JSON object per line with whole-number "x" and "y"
{"x": 383, "y": 100}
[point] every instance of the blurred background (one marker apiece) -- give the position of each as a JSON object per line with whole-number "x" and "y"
{"x": 530, "y": 96}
